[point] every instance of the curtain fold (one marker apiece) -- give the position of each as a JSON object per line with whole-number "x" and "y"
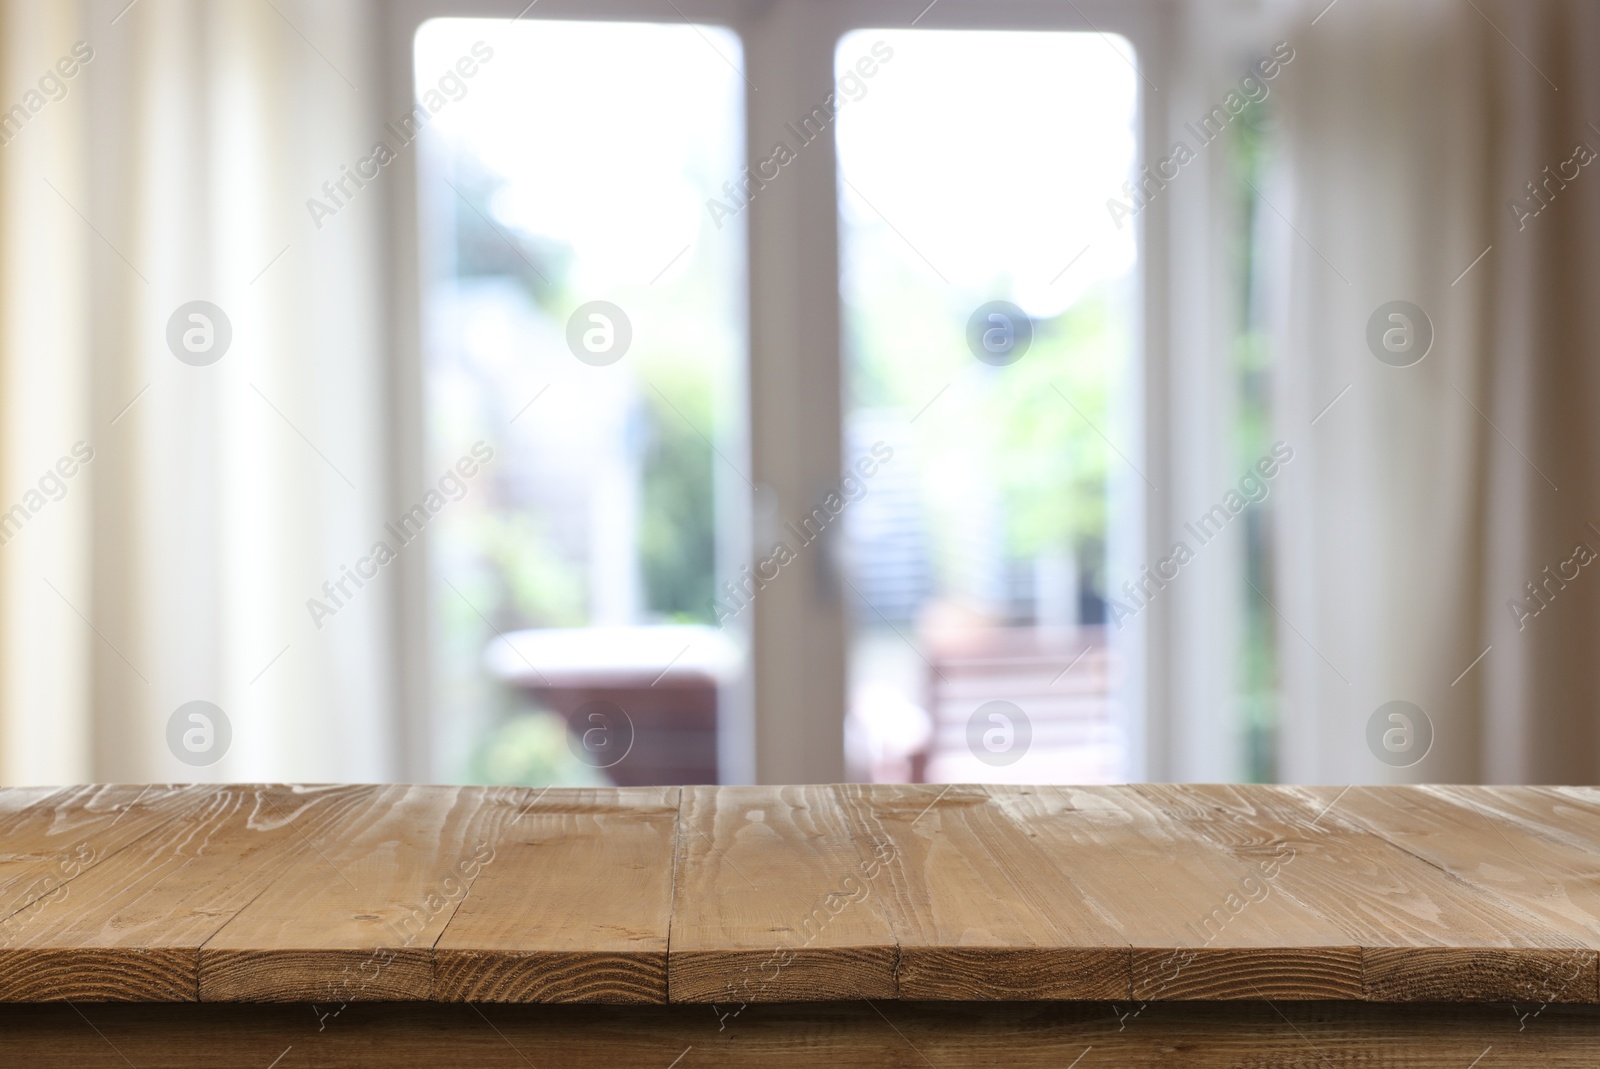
{"x": 164, "y": 520}
{"x": 45, "y": 517}
{"x": 1433, "y": 494}
{"x": 224, "y": 489}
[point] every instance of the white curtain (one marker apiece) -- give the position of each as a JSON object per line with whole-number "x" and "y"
{"x": 175, "y": 167}
{"x": 1427, "y": 497}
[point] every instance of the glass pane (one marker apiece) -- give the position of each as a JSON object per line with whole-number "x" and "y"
{"x": 989, "y": 306}
{"x": 584, "y": 352}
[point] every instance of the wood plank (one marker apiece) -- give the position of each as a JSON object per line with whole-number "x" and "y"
{"x": 767, "y": 907}
{"x": 888, "y": 1035}
{"x": 1423, "y": 933}
{"x": 1203, "y": 923}
{"x": 576, "y": 907}
{"x": 758, "y": 895}
{"x": 1571, "y": 814}
{"x": 131, "y": 929}
{"x": 51, "y": 841}
{"x": 356, "y": 917}
{"x": 1538, "y": 875}
{"x": 978, "y": 909}
{"x": 49, "y": 837}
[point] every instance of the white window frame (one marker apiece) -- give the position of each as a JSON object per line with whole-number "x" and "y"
{"x": 791, "y": 729}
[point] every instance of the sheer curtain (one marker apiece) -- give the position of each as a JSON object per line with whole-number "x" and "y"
{"x": 1427, "y": 498}
{"x": 216, "y": 482}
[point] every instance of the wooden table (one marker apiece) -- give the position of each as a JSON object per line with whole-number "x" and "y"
{"x": 842, "y": 925}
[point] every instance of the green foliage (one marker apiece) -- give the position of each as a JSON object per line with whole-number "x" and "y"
{"x": 1052, "y": 463}
{"x": 536, "y": 589}
{"x": 530, "y": 750}
{"x": 1028, "y": 429}
{"x": 483, "y": 248}
{"x": 1249, "y": 154}
{"x": 677, "y": 538}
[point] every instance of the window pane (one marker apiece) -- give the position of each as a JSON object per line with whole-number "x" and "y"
{"x": 584, "y": 322}
{"x": 989, "y": 311}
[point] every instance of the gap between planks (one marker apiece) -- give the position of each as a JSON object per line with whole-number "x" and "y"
{"x": 1391, "y": 838}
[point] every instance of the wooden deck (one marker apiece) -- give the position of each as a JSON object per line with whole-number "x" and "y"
{"x": 697, "y": 905}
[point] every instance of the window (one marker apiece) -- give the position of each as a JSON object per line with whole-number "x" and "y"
{"x": 583, "y": 345}
{"x": 1250, "y": 157}
{"x": 945, "y": 186}
{"x": 988, "y": 313}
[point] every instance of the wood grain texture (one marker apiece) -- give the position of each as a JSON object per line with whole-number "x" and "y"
{"x": 768, "y": 905}
{"x": 1570, "y": 811}
{"x": 1451, "y": 935}
{"x": 739, "y": 896}
{"x": 855, "y": 1035}
{"x": 61, "y": 850}
{"x": 1202, "y": 922}
{"x": 979, "y": 910}
{"x": 131, "y": 929}
{"x": 48, "y": 838}
{"x": 1532, "y": 872}
{"x": 356, "y": 915}
{"x": 575, "y": 907}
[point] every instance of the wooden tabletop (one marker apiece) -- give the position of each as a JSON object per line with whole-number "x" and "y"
{"x": 736, "y": 895}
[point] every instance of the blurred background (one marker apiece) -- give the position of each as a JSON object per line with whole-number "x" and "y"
{"x": 688, "y": 391}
